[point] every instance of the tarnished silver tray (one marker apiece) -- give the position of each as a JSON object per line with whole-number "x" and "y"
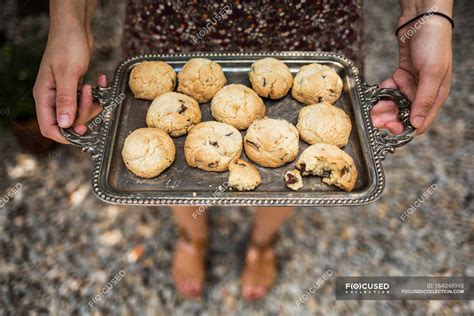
{"x": 180, "y": 184}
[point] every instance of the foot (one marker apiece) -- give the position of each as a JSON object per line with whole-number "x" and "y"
{"x": 259, "y": 272}
{"x": 188, "y": 267}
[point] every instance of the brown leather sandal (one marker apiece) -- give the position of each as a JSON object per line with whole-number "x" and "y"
{"x": 189, "y": 265}
{"x": 260, "y": 269}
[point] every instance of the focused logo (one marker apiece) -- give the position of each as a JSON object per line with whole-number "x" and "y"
{"x": 367, "y": 287}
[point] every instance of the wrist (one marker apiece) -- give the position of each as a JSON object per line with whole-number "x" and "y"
{"x": 412, "y": 8}
{"x": 66, "y": 26}
{"x": 68, "y": 16}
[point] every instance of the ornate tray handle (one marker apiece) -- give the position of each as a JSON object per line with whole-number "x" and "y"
{"x": 386, "y": 142}
{"x": 90, "y": 142}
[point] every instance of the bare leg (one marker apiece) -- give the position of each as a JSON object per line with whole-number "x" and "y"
{"x": 260, "y": 267}
{"x": 267, "y": 222}
{"x": 191, "y": 247}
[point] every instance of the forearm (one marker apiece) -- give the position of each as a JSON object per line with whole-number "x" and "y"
{"x": 71, "y": 14}
{"x": 411, "y": 8}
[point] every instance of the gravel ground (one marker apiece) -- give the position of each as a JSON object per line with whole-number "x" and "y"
{"x": 59, "y": 245}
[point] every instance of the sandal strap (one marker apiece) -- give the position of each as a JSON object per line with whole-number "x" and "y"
{"x": 200, "y": 243}
{"x": 267, "y": 244}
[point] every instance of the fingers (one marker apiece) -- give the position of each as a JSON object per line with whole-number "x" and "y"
{"x": 440, "y": 98}
{"x": 395, "y": 127}
{"x": 388, "y": 83}
{"x": 425, "y": 99}
{"x": 383, "y": 105}
{"x": 66, "y": 98}
{"x": 102, "y": 81}
{"x": 44, "y": 95}
{"x": 384, "y": 110}
{"x": 87, "y": 108}
{"x": 84, "y": 110}
{"x": 406, "y": 83}
{"x": 379, "y": 119}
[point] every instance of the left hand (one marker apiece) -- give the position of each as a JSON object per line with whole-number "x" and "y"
{"x": 423, "y": 75}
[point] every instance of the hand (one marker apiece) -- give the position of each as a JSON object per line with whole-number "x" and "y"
{"x": 64, "y": 63}
{"x": 423, "y": 75}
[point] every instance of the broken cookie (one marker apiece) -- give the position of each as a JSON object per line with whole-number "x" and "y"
{"x": 329, "y": 162}
{"x": 293, "y": 179}
{"x": 243, "y": 176}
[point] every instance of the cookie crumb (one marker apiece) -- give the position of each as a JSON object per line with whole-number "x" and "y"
{"x": 293, "y": 179}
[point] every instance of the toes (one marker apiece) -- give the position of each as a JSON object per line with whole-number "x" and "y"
{"x": 254, "y": 292}
{"x": 247, "y": 292}
{"x": 260, "y": 291}
{"x": 189, "y": 288}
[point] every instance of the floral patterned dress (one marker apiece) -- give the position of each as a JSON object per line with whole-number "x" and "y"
{"x": 184, "y": 26}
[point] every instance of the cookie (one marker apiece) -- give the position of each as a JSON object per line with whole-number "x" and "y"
{"x": 293, "y": 179}
{"x": 316, "y": 83}
{"x": 211, "y": 146}
{"x": 243, "y": 176}
{"x": 329, "y": 162}
{"x": 174, "y": 112}
{"x": 324, "y": 123}
{"x": 147, "y": 152}
{"x": 271, "y": 142}
{"x": 237, "y": 105}
{"x": 201, "y": 78}
{"x": 150, "y": 79}
{"x": 270, "y": 78}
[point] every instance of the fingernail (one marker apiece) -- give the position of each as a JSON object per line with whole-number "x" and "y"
{"x": 418, "y": 121}
{"x": 63, "y": 120}
{"x": 81, "y": 129}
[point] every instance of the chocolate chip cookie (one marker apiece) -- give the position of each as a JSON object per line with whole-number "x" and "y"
{"x": 211, "y": 146}
{"x": 324, "y": 123}
{"x": 243, "y": 176}
{"x": 237, "y": 105}
{"x": 150, "y": 79}
{"x": 201, "y": 78}
{"x": 270, "y": 78}
{"x": 316, "y": 83}
{"x": 271, "y": 142}
{"x": 329, "y": 162}
{"x": 174, "y": 112}
{"x": 147, "y": 152}
{"x": 293, "y": 179}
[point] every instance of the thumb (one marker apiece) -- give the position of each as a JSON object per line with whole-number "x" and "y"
{"x": 425, "y": 98}
{"x": 66, "y": 99}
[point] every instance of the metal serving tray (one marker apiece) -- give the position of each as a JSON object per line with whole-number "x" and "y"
{"x": 181, "y": 184}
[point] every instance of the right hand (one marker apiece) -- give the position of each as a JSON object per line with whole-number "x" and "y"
{"x": 65, "y": 61}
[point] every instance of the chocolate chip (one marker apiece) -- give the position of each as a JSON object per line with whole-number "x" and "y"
{"x": 291, "y": 179}
{"x": 345, "y": 170}
{"x": 243, "y": 165}
{"x": 326, "y": 173}
{"x": 256, "y": 146}
{"x": 215, "y": 144}
{"x": 182, "y": 109}
{"x": 264, "y": 82}
{"x": 229, "y": 134}
{"x": 303, "y": 166}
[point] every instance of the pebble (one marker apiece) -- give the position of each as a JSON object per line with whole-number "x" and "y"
{"x": 59, "y": 247}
